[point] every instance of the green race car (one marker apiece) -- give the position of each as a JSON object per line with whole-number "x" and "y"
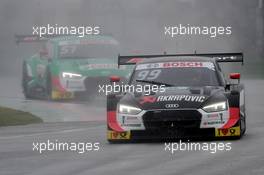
{"x": 69, "y": 67}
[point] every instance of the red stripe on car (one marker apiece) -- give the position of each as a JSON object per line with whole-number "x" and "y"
{"x": 56, "y": 84}
{"x": 233, "y": 119}
{"x": 112, "y": 121}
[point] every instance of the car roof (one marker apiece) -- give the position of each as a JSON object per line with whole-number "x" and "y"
{"x": 178, "y": 58}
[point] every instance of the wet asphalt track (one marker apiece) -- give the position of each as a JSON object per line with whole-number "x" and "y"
{"x": 17, "y": 157}
{"x": 11, "y": 96}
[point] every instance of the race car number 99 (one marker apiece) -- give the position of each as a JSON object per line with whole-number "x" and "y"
{"x": 148, "y": 74}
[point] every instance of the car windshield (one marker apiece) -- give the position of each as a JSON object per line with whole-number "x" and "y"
{"x": 88, "y": 50}
{"x": 176, "y": 74}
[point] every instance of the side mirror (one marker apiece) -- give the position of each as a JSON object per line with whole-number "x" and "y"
{"x": 114, "y": 79}
{"x": 234, "y": 76}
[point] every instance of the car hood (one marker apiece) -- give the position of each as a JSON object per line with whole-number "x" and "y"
{"x": 91, "y": 66}
{"x": 176, "y": 98}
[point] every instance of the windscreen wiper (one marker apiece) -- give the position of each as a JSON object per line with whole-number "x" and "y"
{"x": 155, "y": 82}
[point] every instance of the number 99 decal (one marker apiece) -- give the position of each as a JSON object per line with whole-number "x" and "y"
{"x": 148, "y": 74}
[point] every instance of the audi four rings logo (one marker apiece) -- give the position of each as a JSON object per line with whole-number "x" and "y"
{"x": 171, "y": 105}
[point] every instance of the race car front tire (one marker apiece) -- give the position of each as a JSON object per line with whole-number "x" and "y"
{"x": 25, "y": 80}
{"x": 49, "y": 86}
{"x": 243, "y": 120}
{"x": 242, "y": 126}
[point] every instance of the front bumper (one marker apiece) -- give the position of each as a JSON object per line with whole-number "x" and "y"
{"x": 174, "y": 124}
{"x": 173, "y": 134}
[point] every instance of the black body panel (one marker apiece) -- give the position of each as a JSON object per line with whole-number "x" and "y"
{"x": 169, "y": 119}
{"x": 183, "y": 120}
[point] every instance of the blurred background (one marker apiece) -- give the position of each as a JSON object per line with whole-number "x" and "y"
{"x": 139, "y": 26}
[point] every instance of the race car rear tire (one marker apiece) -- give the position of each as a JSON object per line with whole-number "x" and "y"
{"x": 25, "y": 80}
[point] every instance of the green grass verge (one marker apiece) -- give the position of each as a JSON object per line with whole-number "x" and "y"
{"x": 11, "y": 117}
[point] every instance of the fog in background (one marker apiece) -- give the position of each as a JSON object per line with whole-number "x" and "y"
{"x": 138, "y": 25}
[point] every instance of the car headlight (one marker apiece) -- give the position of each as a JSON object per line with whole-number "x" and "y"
{"x": 71, "y": 75}
{"x": 128, "y": 109}
{"x": 221, "y": 106}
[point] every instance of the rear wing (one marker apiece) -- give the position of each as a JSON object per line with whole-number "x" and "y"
{"x": 219, "y": 57}
{"x": 32, "y": 38}
{"x": 36, "y": 38}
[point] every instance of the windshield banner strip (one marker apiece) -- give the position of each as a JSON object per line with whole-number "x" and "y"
{"x": 208, "y": 65}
